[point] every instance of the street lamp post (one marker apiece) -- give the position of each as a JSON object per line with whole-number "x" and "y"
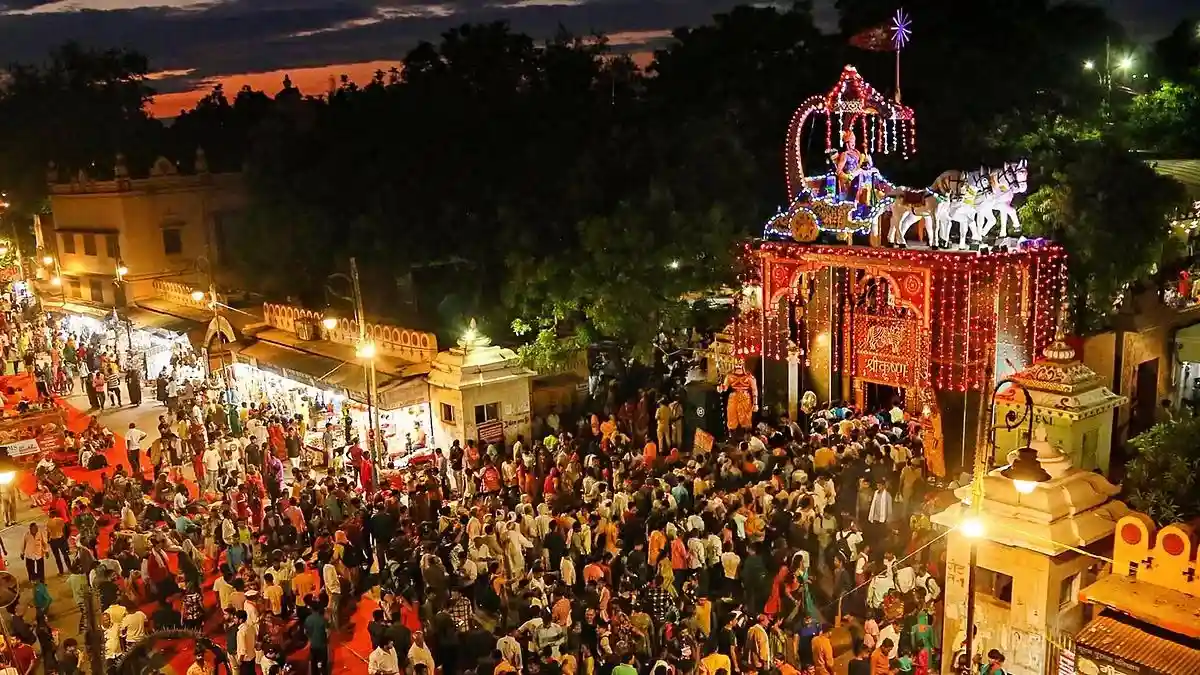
{"x": 365, "y": 350}
{"x": 1025, "y": 473}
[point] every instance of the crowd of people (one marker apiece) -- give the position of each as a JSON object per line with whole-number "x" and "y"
{"x": 590, "y": 550}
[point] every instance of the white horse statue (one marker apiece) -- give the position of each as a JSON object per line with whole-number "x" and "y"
{"x": 965, "y": 214}
{"x": 1006, "y": 182}
{"x": 974, "y": 198}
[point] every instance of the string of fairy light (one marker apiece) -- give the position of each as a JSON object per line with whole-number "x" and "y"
{"x": 958, "y": 346}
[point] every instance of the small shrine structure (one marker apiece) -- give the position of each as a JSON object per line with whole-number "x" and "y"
{"x": 479, "y": 390}
{"x": 1071, "y": 405}
{"x": 1027, "y": 564}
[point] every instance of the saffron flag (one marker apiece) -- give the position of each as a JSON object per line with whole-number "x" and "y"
{"x": 875, "y": 39}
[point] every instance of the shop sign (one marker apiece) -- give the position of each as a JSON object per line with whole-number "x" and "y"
{"x": 885, "y": 350}
{"x": 1066, "y": 662}
{"x": 491, "y": 432}
{"x": 22, "y": 448}
{"x": 1089, "y": 661}
{"x": 45, "y": 429}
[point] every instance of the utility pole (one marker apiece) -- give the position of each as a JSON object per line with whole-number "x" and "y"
{"x": 366, "y": 351}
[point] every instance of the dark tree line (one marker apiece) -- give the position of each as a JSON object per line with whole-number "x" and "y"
{"x": 554, "y": 183}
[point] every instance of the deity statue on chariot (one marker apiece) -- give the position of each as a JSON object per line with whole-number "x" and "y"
{"x": 854, "y": 198}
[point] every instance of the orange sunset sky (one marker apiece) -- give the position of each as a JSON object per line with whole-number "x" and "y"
{"x": 194, "y": 44}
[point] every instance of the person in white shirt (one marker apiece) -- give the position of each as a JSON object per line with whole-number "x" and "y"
{"x": 419, "y": 653}
{"x": 247, "y": 650}
{"x": 133, "y": 627}
{"x": 383, "y": 659}
{"x": 251, "y": 609}
{"x": 333, "y": 587}
{"x": 880, "y": 512}
{"x": 212, "y": 466}
{"x": 890, "y": 632}
{"x": 112, "y": 639}
{"x": 133, "y": 449}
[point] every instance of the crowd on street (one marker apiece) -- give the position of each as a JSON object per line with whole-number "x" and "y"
{"x": 591, "y": 550}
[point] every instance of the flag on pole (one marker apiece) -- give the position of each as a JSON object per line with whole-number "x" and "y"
{"x": 875, "y": 39}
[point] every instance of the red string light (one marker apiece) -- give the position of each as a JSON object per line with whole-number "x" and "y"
{"x": 958, "y": 346}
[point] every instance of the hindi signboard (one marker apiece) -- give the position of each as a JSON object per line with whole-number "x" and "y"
{"x": 885, "y": 350}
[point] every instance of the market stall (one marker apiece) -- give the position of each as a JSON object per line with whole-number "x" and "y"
{"x": 310, "y": 385}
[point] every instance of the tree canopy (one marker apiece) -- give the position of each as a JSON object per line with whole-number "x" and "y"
{"x": 1161, "y": 479}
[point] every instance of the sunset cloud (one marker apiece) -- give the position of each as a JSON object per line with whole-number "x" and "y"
{"x": 195, "y": 43}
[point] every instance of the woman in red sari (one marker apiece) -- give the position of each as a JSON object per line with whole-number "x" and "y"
{"x": 256, "y": 494}
{"x": 781, "y": 601}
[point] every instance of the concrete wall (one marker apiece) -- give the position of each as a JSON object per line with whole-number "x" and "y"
{"x": 513, "y": 397}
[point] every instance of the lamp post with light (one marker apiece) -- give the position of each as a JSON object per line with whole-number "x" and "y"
{"x": 1025, "y": 474}
{"x": 1124, "y": 64}
{"x": 365, "y": 351}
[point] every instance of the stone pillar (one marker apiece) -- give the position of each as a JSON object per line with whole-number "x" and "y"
{"x": 794, "y": 363}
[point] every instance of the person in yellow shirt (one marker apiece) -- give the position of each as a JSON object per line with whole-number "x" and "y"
{"x": 658, "y": 542}
{"x": 824, "y": 458}
{"x": 715, "y": 662}
{"x": 200, "y": 666}
{"x": 273, "y": 593}
{"x": 304, "y": 584}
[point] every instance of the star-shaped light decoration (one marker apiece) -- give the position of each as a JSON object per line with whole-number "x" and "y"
{"x": 901, "y": 29}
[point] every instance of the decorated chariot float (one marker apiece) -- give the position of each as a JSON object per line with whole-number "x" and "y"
{"x": 900, "y": 321}
{"x": 852, "y": 197}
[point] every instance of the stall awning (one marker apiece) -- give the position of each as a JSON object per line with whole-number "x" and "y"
{"x": 327, "y": 373}
{"x": 67, "y": 307}
{"x": 1130, "y": 646}
{"x": 1187, "y": 343}
{"x": 146, "y": 319}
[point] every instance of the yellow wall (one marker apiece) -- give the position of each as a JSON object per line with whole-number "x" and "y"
{"x": 1069, "y": 437}
{"x": 138, "y": 214}
{"x": 513, "y": 397}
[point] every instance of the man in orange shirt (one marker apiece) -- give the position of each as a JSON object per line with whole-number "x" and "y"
{"x": 880, "y": 664}
{"x": 822, "y": 652}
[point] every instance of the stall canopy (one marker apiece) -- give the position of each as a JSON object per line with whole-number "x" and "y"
{"x": 1122, "y": 645}
{"x": 324, "y": 372}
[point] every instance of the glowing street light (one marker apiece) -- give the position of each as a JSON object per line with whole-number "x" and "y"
{"x": 1089, "y": 65}
{"x": 122, "y": 270}
{"x": 56, "y": 281}
{"x": 366, "y": 350}
{"x": 1125, "y": 63}
{"x": 674, "y": 264}
{"x": 329, "y": 322}
{"x": 972, "y": 527}
{"x": 197, "y": 295}
{"x": 47, "y": 260}
{"x": 1026, "y": 472}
